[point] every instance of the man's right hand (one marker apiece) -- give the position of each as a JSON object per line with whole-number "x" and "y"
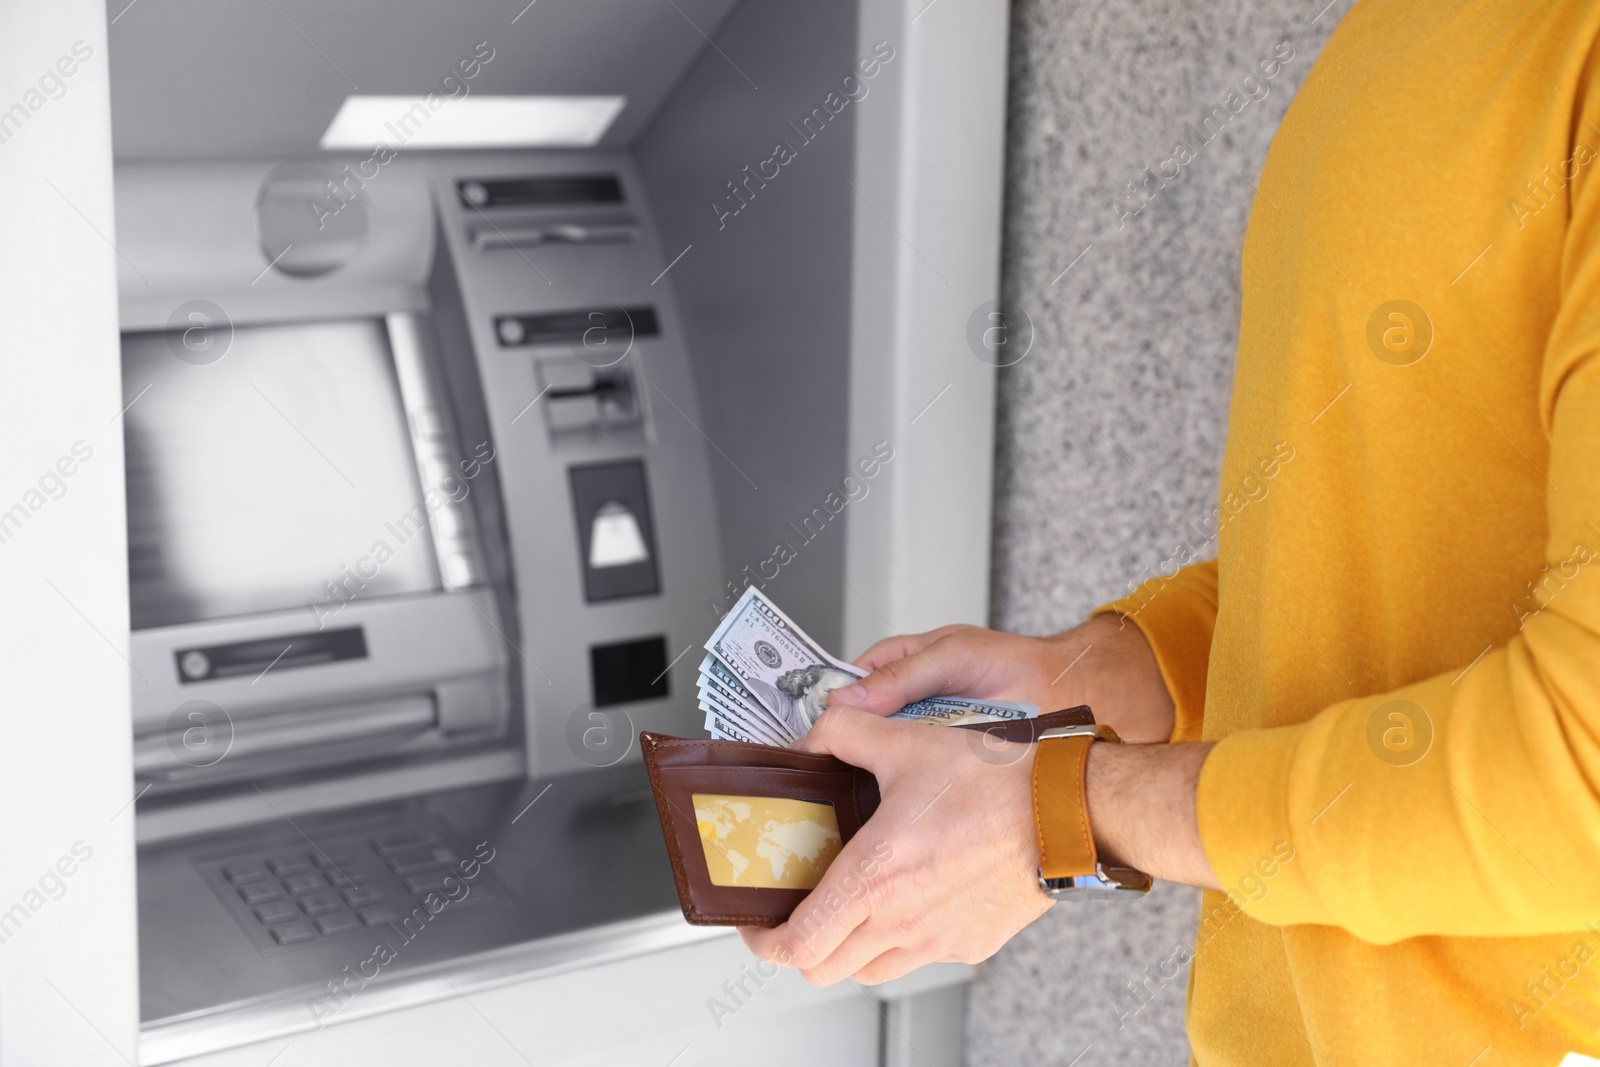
{"x": 1105, "y": 663}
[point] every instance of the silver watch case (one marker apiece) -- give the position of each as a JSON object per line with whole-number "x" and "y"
{"x": 1112, "y": 882}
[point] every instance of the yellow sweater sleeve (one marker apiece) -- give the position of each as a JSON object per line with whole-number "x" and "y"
{"x": 1481, "y": 815}
{"x": 1177, "y": 615}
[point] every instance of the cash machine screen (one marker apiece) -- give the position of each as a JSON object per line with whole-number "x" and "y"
{"x": 268, "y": 466}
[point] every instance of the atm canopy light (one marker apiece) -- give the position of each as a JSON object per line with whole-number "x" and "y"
{"x": 477, "y": 121}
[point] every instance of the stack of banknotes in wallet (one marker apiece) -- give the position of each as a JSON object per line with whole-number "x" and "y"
{"x": 766, "y": 682}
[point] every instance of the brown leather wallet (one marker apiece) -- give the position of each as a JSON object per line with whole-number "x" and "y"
{"x": 750, "y": 829}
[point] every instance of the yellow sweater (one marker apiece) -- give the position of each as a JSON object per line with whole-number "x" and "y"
{"x": 1398, "y": 649}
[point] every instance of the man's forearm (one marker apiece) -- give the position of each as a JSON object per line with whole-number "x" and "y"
{"x": 1107, "y": 664}
{"x": 1142, "y": 810}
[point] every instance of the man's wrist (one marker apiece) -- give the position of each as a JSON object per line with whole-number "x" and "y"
{"x": 1107, "y": 664}
{"x": 1142, "y": 810}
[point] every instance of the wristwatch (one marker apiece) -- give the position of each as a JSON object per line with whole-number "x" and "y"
{"x": 1069, "y": 866}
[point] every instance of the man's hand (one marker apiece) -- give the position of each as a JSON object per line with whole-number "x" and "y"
{"x": 946, "y": 870}
{"x": 1105, "y": 663}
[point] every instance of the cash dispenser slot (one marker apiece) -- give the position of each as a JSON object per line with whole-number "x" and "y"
{"x": 203, "y": 744}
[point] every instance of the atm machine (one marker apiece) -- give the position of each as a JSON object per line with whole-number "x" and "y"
{"x": 403, "y": 542}
{"x": 434, "y": 483}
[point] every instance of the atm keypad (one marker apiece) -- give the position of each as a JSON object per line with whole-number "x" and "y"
{"x": 354, "y": 883}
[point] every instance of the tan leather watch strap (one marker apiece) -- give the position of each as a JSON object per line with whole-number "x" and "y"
{"x": 1061, "y": 807}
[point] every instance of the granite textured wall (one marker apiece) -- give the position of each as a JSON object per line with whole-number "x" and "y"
{"x": 1111, "y": 428}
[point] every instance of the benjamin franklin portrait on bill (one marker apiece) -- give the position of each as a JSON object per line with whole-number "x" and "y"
{"x": 810, "y": 686}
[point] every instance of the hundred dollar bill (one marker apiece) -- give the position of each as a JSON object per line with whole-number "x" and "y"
{"x": 782, "y": 668}
{"x": 760, "y": 656}
{"x": 759, "y": 722}
{"x": 725, "y": 725}
{"x": 712, "y": 670}
{"x": 722, "y": 696}
{"x": 723, "y": 729}
{"x": 719, "y": 681}
{"x": 754, "y": 721}
{"x": 748, "y": 723}
{"x": 954, "y": 711}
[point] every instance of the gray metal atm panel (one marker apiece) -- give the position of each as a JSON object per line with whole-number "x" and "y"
{"x": 559, "y": 625}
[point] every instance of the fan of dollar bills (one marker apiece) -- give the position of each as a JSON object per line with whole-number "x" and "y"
{"x": 766, "y": 682}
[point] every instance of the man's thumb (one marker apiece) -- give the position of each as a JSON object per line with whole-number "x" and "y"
{"x": 894, "y": 685}
{"x": 855, "y": 736}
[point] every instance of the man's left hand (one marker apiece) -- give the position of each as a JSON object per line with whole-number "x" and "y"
{"x": 945, "y": 871}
